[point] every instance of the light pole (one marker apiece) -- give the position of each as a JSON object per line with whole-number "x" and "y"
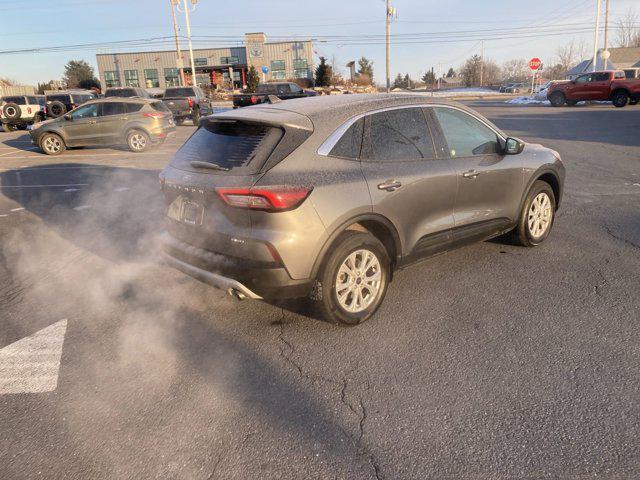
{"x": 595, "y": 39}
{"x": 186, "y": 17}
{"x": 390, "y": 12}
{"x": 179, "y": 64}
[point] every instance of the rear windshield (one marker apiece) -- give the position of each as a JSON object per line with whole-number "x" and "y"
{"x": 121, "y": 92}
{"x": 179, "y": 92}
{"x": 238, "y": 146}
{"x": 160, "y": 107}
{"x": 16, "y": 100}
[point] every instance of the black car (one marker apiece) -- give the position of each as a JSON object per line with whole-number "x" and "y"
{"x": 282, "y": 90}
{"x": 126, "y": 92}
{"x": 61, "y": 102}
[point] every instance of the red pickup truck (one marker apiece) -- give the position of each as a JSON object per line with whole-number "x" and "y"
{"x": 605, "y": 85}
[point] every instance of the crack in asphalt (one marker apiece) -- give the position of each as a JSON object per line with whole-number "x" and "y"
{"x": 223, "y": 455}
{"x": 360, "y": 411}
{"x": 619, "y": 238}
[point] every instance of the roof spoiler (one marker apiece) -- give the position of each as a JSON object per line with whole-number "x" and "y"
{"x": 273, "y": 99}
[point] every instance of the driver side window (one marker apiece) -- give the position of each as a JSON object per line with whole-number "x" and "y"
{"x": 583, "y": 79}
{"x": 465, "y": 135}
{"x": 87, "y": 111}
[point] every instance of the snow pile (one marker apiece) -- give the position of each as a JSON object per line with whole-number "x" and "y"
{"x": 529, "y": 100}
{"x": 452, "y": 92}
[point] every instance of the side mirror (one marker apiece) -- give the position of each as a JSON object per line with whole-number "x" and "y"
{"x": 513, "y": 146}
{"x": 68, "y": 117}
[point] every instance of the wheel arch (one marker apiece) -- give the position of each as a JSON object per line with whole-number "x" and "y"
{"x": 548, "y": 175}
{"x": 620, "y": 90}
{"x": 379, "y": 226}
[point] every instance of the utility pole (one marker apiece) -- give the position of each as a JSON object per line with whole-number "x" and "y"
{"x": 481, "y": 60}
{"x": 388, "y": 22}
{"x": 606, "y": 33}
{"x": 193, "y": 63}
{"x": 595, "y": 39}
{"x": 179, "y": 64}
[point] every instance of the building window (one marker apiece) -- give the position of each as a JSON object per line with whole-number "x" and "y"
{"x": 111, "y": 78}
{"x": 171, "y": 77}
{"x": 200, "y": 61}
{"x": 278, "y": 70}
{"x": 228, "y": 60}
{"x": 131, "y": 78}
{"x": 151, "y": 78}
{"x": 300, "y": 63}
{"x": 203, "y": 79}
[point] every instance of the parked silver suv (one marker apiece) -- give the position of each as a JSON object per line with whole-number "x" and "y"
{"x": 328, "y": 196}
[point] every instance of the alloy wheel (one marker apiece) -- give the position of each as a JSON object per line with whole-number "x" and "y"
{"x": 138, "y": 141}
{"x": 540, "y": 215}
{"x": 52, "y": 144}
{"x": 358, "y": 281}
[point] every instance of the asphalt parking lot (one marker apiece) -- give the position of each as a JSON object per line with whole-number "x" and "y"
{"x": 491, "y": 361}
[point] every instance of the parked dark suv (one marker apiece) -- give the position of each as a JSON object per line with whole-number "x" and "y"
{"x": 136, "y": 122}
{"x": 127, "y": 92}
{"x": 327, "y": 196}
{"x": 61, "y": 102}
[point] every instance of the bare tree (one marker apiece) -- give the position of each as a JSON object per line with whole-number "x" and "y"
{"x": 515, "y": 70}
{"x": 628, "y": 27}
{"x": 570, "y": 54}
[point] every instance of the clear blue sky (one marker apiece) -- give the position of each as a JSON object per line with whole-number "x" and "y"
{"x": 346, "y": 28}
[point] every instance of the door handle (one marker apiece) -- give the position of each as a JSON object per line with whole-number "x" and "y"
{"x": 389, "y": 185}
{"x": 471, "y": 174}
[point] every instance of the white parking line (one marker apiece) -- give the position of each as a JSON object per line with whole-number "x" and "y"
{"x": 82, "y": 207}
{"x": 32, "y": 364}
{"x": 71, "y": 189}
{"x": 123, "y": 154}
{"x": 17, "y": 209}
{"x": 4, "y": 215}
{"x": 44, "y": 186}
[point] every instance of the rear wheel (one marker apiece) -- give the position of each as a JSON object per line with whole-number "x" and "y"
{"x": 620, "y": 99}
{"x": 179, "y": 120}
{"x": 354, "y": 278}
{"x": 634, "y": 101}
{"x": 537, "y": 215}
{"x": 8, "y": 127}
{"x": 196, "y": 117}
{"x": 52, "y": 144}
{"x": 138, "y": 141}
{"x": 557, "y": 99}
{"x": 572, "y": 103}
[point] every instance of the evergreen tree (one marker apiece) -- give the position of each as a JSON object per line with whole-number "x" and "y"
{"x": 323, "y": 73}
{"x": 76, "y": 71}
{"x": 253, "y": 79}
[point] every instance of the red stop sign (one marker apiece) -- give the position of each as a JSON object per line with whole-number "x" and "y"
{"x": 534, "y": 63}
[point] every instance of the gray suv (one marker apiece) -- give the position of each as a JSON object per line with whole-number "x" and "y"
{"x": 325, "y": 197}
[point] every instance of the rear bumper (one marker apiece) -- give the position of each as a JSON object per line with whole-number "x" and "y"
{"x": 253, "y": 279}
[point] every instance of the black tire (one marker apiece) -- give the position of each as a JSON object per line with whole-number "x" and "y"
{"x": 523, "y": 232}
{"x": 52, "y": 144}
{"x": 12, "y": 111}
{"x": 347, "y": 243}
{"x": 557, "y": 99}
{"x": 56, "y": 109}
{"x": 138, "y": 141}
{"x": 195, "y": 116}
{"x": 179, "y": 121}
{"x": 620, "y": 99}
{"x": 634, "y": 101}
{"x": 572, "y": 103}
{"x": 8, "y": 127}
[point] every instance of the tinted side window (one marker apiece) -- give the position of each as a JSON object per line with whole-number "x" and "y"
{"x": 32, "y": 100}
{"x": 398, "y": 135}
{"x": 465, "y": 135}
{"x": 284, "y": 88}
{"x": 600, "y": 77}
{"x": 88, "y": 111}
{"x": 349, "y": 144}
{"x": 133, "y": 107}
{"x": 583, "y": 78}
{"x": 112, "y": 108}
{"x": 16, "y": 100}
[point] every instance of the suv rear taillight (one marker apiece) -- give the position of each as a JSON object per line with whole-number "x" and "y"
{"x": 190, "y": 102}
{"x": 254, "y": 99}
{"x": 270, "y": 199}
{"x": 154, "y": 115}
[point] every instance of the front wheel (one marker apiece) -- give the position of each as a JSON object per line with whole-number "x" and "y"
{"x": 354, "y": 278}
{"x": 7, "y": 127}
{"x": 52, "y": 144}
{"x": 557, "y": 99}
{"x": 537, "y": 215}
{"x": 196, "y": 117}
{"x": 179, "y": 121}
{"x": 138, "y": 141}
{"x": 620, "y": 99}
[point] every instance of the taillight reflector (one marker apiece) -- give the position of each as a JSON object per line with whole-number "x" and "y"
{"x": 190, "y": 102}
{"x": 254, "y": 99}
{"x": 154, "y": 115}
{"x": 271, "y": 199}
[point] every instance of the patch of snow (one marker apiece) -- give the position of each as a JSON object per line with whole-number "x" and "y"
{"x": 529, "y": 100}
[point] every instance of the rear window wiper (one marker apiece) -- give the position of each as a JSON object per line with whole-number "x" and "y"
{"x": 212, "y": 166}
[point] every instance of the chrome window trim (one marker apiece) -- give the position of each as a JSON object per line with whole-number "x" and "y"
{"x": 337, "y": 134}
